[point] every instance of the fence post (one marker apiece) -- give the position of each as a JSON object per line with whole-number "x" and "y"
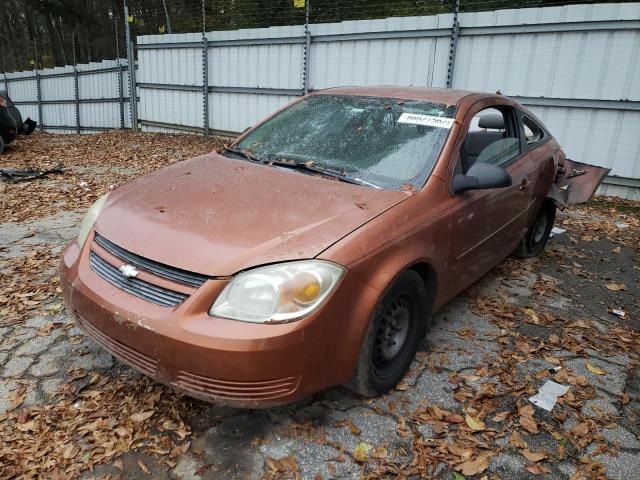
{"x": 455, "y": 28}
{"x": 76, "y": 97}
{"x": 131, "y": 60}
{"x": 39, "y": 99}
{"x": 4, "y": 74}
{"x": 307, "y": 49}
{"x": 205, "y": 84}
{"x": 121, "y": 94}
{"x": 120, "y": 91}
{"x": 76, "y": 87}
{"x": 205, "y": 73}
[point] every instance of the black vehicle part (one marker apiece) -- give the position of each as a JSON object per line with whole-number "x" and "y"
{"x": 28, "y": 126}
{"x": 14, "y": 175}
{"x": 393, "y": 337}
{"x": 536, "y": 237}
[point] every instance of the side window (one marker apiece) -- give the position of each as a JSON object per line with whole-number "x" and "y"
{"x": 533, "y": 133}
{"x": 492, "y": 138}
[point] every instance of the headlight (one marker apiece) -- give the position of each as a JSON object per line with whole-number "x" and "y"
{"x": 90, "y": 219}
{"x": 278, "y": 293}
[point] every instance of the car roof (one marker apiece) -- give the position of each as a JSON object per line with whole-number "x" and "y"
{"x": 439, "y": 95}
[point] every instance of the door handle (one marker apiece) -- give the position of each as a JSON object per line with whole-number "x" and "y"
{"x": 525, "y": 183}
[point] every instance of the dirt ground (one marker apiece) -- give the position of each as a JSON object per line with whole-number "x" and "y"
{"x": 68, "y": 409}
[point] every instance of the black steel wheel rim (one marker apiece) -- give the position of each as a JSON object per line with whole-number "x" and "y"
{"x": 392, "y": 336}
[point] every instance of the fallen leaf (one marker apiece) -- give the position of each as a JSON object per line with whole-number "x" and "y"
{"x": 517, "y": 441}
{"x": 537, "y": 469}
{"x": 71, "y": 451}
{"x": 475, "y": 424}
{"x": 143, "y": 467}
{"x": 595, "y": 370}
{"x": 361, "y": 452}
{"x": 533, "y": 456}
{"x": 616, "y": 287}
{"x": 500, "y": 417}
{"x": 379, "y": 452}
{"x": 455, "y": 418}
{"x": 141, "y": 416}
{"x": 475, "y": 466}
{"x": 355, "y": 430}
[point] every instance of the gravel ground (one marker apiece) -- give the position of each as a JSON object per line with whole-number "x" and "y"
{"x": 462, "y": 410}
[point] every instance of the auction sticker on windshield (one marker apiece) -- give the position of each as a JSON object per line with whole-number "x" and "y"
{"x": 426, "y": 120}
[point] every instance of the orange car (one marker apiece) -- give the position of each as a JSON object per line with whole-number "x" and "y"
{"x": 314, "y": 249}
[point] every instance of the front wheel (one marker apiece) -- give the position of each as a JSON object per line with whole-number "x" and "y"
{"x": 393, "y": 337}
{"x": 536, "y": 237}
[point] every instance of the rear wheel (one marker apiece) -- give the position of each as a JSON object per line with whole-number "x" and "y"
{"x": 2, "y": 145}
{"x": 393, "y": 337}
{"x": 536, "y": 237}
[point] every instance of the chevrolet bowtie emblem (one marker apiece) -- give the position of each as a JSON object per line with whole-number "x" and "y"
{"x": 129, "y": 271}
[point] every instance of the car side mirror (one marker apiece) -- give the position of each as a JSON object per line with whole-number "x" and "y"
{"x": 481, "y": 176}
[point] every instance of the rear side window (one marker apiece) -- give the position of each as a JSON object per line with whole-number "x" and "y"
{"x": 492, "y": 138}
{"x": 533, "y": 133}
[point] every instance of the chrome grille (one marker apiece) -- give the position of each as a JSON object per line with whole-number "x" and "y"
{"x": 161, "y": 270}
{"x": 135, "y": 286}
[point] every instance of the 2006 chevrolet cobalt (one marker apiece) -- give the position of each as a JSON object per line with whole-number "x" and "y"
{"x": 314, "y": 249}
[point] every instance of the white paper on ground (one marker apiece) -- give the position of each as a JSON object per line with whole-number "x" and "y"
{"x": 548, "y": 395}
{"x": 555, "y": 231}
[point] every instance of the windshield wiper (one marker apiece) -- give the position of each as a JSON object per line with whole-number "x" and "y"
{"x": 306, "y": 166}
{"x": 312, "y": 167}
{"x": 249, "y": 156}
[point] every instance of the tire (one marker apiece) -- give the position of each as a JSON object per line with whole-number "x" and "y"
{"x": 2, "y": 145}
{"x": 536, "y": 237}
{"x": 382, "y": 364}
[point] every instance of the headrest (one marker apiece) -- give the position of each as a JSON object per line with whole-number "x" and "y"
{"x": 494, "y": 121}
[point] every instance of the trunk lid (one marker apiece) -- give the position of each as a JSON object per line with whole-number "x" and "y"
{"x": 576, "y": 182}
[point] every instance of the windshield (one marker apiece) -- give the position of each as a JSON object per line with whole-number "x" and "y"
{"x": 386, "y": 142}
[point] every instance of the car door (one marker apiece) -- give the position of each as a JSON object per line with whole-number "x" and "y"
{"x": 486, "y": 225}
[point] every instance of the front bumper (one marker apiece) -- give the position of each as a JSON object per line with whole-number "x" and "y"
{"x": 215, "y": 359}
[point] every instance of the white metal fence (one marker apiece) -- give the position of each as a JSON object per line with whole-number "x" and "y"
{"x": 86, "y": 98}
{"x": 576, "y": 66}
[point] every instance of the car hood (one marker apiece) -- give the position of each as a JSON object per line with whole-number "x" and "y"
{"x": 216, "y": 216}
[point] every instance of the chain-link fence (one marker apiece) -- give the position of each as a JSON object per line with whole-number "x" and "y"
{"x": 45, "y": 34}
